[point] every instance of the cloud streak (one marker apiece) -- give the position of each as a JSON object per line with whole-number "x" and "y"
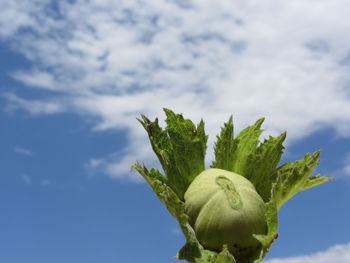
{"x": 22, "y": 151}
{"x": 26, "y": 178}
{"x": 338, "y": 253}
{"x": 287, "y": 61}
{"x": 45, "y": 183}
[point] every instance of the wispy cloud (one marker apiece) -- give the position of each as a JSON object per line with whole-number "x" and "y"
{"x": 35, "y": 78}
{"x": 176, "y": 231}
{"x": 288, "y": 61}
{"x": 116, "y": 165}
{"x": 26, "y": 178}
{"x": 346, "y": 169}
{"x": 22, "y": 151}
{"x": 343, "y": 172}
{"x": 34, "y": 107}
{"x": 338, "y": 253}
{"x": 45, "y": 182}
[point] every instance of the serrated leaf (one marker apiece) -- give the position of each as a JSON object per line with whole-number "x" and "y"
{"x": 294, "y": 177}
{"x": 243, "y": 155}
{"x": 207, "y": 256}
{"x": 225, "y": 256}
{"x": 264, "y": 164}
{"x": 271, "y": 216}
{"x": 189, "y": 148}
{"x": 247, "y": 142}
{"x": 225, "y": 147}
{"x": 235, "y": 155}
{"x": 168, "y": 197}
{"x": 180, "y": 149}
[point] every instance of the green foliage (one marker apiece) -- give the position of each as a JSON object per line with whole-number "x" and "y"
{"x": 168, "y": 197}
{"x": 181, "y": 148}
{"x": 296, "y": 177}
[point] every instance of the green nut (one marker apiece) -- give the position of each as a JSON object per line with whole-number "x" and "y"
{"x": 225, "y": 209}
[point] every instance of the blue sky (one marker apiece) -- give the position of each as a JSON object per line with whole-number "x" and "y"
{"x": 74, "y": 75}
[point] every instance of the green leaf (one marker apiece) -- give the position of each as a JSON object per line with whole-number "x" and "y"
{"x": 247, "y": 142}
{"x": 236, "y": 155}
{"x": 258, "y": 163}
{"x": 294, "y": 177}
{"x": 207, "y": 256}
{"x": 168, "y": 197}
{"x": 180, "y": 149}
{"x": 246, "y": 157}
{"x": 225, "y": 256}
{"x": 189, "y": 147}
{"x": 271, "y": 216}
{"x": 192, "y": 251}
{"x": 264, "y": 163}
{"x": 225, "y": 148}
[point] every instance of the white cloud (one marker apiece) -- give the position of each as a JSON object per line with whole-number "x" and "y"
{"x": 176, "y": 231}
{"x": 26, "y": 178}
{"x": 116, "y": 165}
{"x": 287, "y": 61}
{"x": 335, "y": 254}
{"x": 34, "y": 107}
{"x": 22, "y": 151}
{"x": 35, "y": 78}
{"x": 45, "y": 182}
{"x": 14, "y": 15}
{"x": 343, "y": 172}
{"x": 346, "y": 169}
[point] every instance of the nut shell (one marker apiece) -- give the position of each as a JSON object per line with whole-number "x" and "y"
{"x": 224, "y": 208}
